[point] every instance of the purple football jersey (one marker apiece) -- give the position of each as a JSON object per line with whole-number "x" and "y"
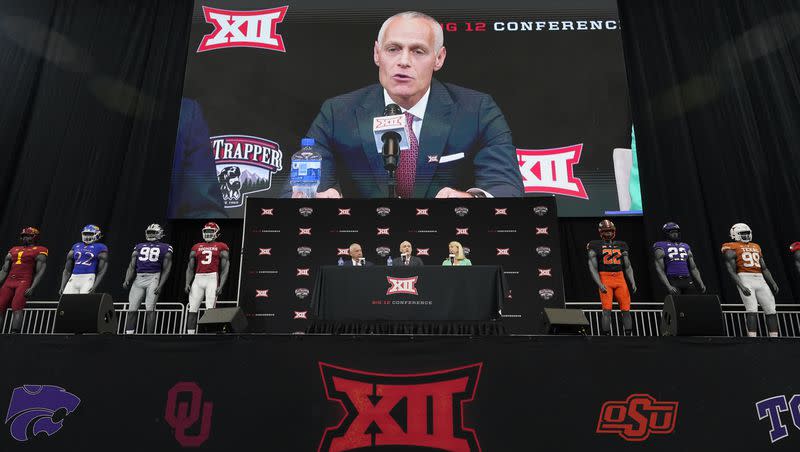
{"x": 675, "y": 257}
{"x": 150, "y": 256}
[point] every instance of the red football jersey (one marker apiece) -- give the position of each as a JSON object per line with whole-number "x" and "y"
{"x": 206, "y": 255}
{"x": 23, "y": 260}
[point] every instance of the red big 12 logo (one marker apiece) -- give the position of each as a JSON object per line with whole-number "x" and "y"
{"x": 635, "y": 418}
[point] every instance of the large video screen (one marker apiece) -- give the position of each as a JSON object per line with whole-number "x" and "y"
{"x": 522, "y": 98}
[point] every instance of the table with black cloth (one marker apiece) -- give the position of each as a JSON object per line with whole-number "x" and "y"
{"x": 381, "y": 300}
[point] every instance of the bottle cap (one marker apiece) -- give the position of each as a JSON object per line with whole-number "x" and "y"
{"x": 307, "y": 142}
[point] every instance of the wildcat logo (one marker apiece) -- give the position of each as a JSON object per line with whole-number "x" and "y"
{"x": 636, "y": 417}
{"x": 542, "y": 231}
{"x": 305, "y": 211}
{"x": 265, "y": 212}
{"x": 38, "y": 409}
{"x": 545, "y": 272}
{"x": 383, "y": 211}
{"x": 402, "y": 285}
{"x": 421, "y": 212}
{"x": 546, "y": 294}
{"x": 183, "y": 415}
{"x": 383, "y": 231}
{"x": 462, "y": 231}
{"x": 304, "y": 251}
{"x": 304, "y": 231}
{"x": 262, "y": 293}
{"x": 504, "y": 251}
{"x": 424, "y": 410}
{"x": 265, "y": 251}
{"x": 551, "y": 171}
{"x": 343, "y": 251}
{"x": 245, "y": 165}
{"x": 461, "y": 211}
{"x": 344, "y": 212}
{"x": 540, "y": 210}
{"x": 543, "y": 251}
{"x": 298, "y": 315}
{"x": 503, "y": 211}
{"x": 423, "y": 251}
{"x": 243, "y": 29}
{"x": 382, "y": 251}
{"x": 301, "y": 293}
{"x": 303, "y": 271}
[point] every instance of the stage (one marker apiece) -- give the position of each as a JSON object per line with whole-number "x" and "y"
{"x": 309, "y": 392}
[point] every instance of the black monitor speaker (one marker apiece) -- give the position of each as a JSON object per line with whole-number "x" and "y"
{"x": 86, "y": 313}
{"x": 565, "y": 321}
{"x": 692, "y": 315}
{"x": 222, "y": 320}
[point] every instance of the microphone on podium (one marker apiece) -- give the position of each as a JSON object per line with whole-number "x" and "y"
{"x": 452, "y": 259}
{"x": 361, "y": 261}
{"x": 404, "y": 258}
{"x": 390, "y": 135}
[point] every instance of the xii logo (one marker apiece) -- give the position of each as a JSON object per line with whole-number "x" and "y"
{"x": 182, "y": 415}
{"x": 423, "y": 410}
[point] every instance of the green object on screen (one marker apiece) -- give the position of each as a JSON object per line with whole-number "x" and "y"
{"x": 634, "y": 187}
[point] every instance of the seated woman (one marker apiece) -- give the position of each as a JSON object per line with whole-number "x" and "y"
{"x": 457, "y": 251}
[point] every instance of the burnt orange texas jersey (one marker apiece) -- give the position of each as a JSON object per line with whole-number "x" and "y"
{"x": 748, "y": 256}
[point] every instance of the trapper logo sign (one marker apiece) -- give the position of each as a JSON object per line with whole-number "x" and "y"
{"x": 245, "y": 165}
{"x": 36, "y": 409}
{"x": 243, "y": 29}
{"x": 424, "y": 410}
{"x": 551, "y": 171}
{"x": 182, "y": 415}
{"x": 402, "y": 285}
{"x": 637, "y": 417}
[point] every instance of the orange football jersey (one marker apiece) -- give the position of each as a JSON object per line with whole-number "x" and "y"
{"x": 748, "y": 256}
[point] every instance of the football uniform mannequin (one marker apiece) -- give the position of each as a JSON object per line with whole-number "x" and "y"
{"x": 675, "y": 264}
{"x": 87, "y": 262}
{"x": 22, "y": 270}
{"x": 206, "y": 274}
{"x": 609, "y": 266}
{"x": 794, "y": 248}
{"x": 748, "y": 269}
{"x": 151, "y": 262}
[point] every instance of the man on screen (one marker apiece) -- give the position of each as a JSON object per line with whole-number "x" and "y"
{"x": 459, "y": 142}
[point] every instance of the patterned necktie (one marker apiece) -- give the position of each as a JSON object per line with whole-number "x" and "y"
{"x": 407, "y": 168}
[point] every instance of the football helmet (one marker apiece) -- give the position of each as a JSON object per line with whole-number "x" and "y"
{"x": 29, "y": 235}
{"x": 90, "y": 233}
{"x": 154, "y": 232}
{"x": 794, "y": 247}
{"x": 670, "y": 227}
{"x": 741, "y": 233}
{"x": 607, "y": 230}
{"x": 210, "y": 231}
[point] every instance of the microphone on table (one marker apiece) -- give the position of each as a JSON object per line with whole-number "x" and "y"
{"x": 390, "y": 135}
{"x": 361, "y": 261}
{"x": 452, "y": 259}
{"x": 404, "y": 257}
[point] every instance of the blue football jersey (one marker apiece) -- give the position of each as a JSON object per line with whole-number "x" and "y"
{"x": 150, "y": 256}
{"x": 85, "y": 257}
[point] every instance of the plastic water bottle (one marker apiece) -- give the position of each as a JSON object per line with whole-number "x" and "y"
{"x": 306, "y": 169}
{"x": 389, "y": 261}
{"x": 341, "y": 262}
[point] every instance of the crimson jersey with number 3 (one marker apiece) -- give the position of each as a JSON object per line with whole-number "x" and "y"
{"x": 206, "y": 255}
{"x": 748, "y": 256}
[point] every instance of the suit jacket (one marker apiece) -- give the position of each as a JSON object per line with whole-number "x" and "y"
{"x": 457, "y": 120}
{"x": 411, "y": 262}
{"x": 349, "y": 263}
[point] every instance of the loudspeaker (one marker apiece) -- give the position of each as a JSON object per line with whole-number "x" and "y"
{"x": 86, "y": 313}
{"x": 222, "y": 320}
{"x": 692, "y": 315}
{"x": 565, "y": 321}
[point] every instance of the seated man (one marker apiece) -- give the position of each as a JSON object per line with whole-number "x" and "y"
{"x": 356, "y": 257}
{"x": 405, "y": 258}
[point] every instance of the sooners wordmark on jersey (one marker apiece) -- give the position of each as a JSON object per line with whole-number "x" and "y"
{"x": 207, "y": 256}
{"x": 243, "y": 29}
{"x": 432, "y": 417}
{"x": 551, "y": 170}
{"x": 748, "y": 256}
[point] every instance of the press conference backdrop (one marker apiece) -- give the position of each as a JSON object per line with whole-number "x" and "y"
{"x": 258, "y": 72}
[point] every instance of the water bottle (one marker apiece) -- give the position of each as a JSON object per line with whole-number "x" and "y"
{"x": 306, "y": 169}
{"x": 389, "y": 261}
{"x": 341, "y": 262}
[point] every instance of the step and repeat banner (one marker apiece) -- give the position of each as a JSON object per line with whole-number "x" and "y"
{"x": 287, "y": 240}
{"x": 526, "y": 98}
{"x": 305, "y": 393}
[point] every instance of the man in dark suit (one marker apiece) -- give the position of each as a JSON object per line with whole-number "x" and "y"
{"x": 460, "y": 143}
{"x": 406, "y": 258}
{"x": 356, "y": 258}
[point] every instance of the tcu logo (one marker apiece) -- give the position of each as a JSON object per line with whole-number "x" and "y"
{"x": 344, "y": 212}
{"x": 545, "y": 272}
{"x": 243, "y": 29}
{"x": 551, "y": 171}
{"x": 382, "y": 251}
{"x": 383, "y": 211}
{"x": 503, "y": 211}
{"x": 304, "y": 231}
{"x": 301, "y": 293}
{"x": 462, "y": 231}
{"x": 542, "y": 231}
{"x": 422, "y": 212}
{"x": 504, "y": 251}
{"x": 262, "y": 293}
{"x": 305, "y": 211}
{"x": 636, "y": 417}
{"x": 546, "y": 294}
{"x": 304, "y": 251}
{"x": 300, "y": 315}
{"x": 402, "y": 285}
{"x": 423, "y": 251}
{"x": 182, "y": 415}
{"x": 543, "y": 251}
{"x": 266, "y": 212}
{"x": 303, "y": 271}
{"x": 772, "y": 407}
{"x": 432, "y": 414}
{"x": 540, "y": 210}
{"x": 343, "y": 251}
{"x": 265, "y": 251}
{"x": 383, "y": 231}
{"x": 461, "y": 211}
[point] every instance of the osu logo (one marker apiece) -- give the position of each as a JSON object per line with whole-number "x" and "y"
{"x": 551, "y": 171}
{"x": 772, "y": 407}
{"x": 636, "y": 417}
{"x": 402, "y": 285}
{"x": 38, "y": 409}
{"x": 182, "y": 415}
{"x": 423, "y": 410}
{"x": 245, "y": 164}
{"x": 243, "y": 29}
